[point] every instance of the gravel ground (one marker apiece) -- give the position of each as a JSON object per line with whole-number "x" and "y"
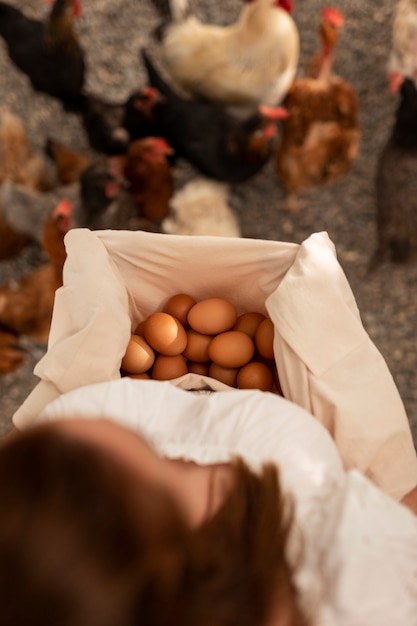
{"x": 113, "y": 31}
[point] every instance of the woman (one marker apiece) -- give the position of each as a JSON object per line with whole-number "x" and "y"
{"x": 235, "y": 509}
{"x": 97, "y": 529}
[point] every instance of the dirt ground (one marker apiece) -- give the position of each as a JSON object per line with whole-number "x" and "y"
{"x": 112, "y": 33}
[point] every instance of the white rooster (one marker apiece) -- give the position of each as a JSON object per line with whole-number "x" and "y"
{"x": 402, "y": 60}
{"x": 242, "y": 65}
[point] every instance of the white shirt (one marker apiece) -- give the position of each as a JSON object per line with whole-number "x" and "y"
{"x": 360, "y": 545}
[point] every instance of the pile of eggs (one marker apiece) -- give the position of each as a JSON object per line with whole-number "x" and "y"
{"x": 207, "y": 337}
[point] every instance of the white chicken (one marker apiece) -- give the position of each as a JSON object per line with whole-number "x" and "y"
{"x": 402, "y": 60}
{"x": 242, "y": 65}
{"x": 201, "y": 208}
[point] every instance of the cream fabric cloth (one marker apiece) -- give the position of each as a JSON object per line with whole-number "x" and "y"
{"x": 326, "y": 361}
{"x": 359, "y": 546}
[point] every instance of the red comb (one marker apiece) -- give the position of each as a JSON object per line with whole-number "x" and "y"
{"x": 63, "y": 208}
{"x": 161, "y": 144}
{"x": 334, "y": 16}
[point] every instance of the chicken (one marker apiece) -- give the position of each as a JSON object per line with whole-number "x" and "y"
{"x": 104, "y": 201}
{"x": 47, "y": 52}
{"x": 320, "y": 137}
{"x": 251, "y": 62}
{"x": 201, "y": 208}
{"x": 55, "y": 227}
{"x": 21, "y": 164}
{"x": 11, "y": 242}
{"x": 138, "y": 115}
{"x": 402, "y": 58}
{"x": 69, "y": 164}
{"x": 396, "y": 185}
{"x": 11, "y": 354}
{"x": 149, "y": 175}
{"x": 99, "y": 199}
{"x": 102, "y": 122}
{"x": 26, "y": 210}
{"x": 110, "y": 127}
{"x": 218, "y": 144}
{"x": 26, "y": 305}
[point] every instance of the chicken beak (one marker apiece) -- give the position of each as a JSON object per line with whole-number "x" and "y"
{"x": 162, "y": 146}
{"x": 273, "y": 113}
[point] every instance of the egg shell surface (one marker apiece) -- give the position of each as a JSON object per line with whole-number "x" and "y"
{"x": 197, "y": 346}
{"x": 198, "y": 368}
{"x": 255, "y": 375}
{"x": 179, "y": 305}
{"x": 264, "y": 339}
{"x": 165, "y": 334}
{"x": 226, "y": 375}
{"x": 139, "y": 356}
{"x": 212, "y": 316}
{"x": 168, "y": 367}
{"x": 248, "y": 322}
{"x": 232, "y": 348}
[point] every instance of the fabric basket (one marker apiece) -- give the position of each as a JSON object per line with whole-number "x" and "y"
{"x": 326, "y": 361}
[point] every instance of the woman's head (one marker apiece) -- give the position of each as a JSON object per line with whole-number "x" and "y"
{"x": 87, "y": 538}
{"x": 77, "y": 534}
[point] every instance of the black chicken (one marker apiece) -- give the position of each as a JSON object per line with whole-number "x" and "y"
{"x": 396, "y": 184}
{"x": 138, "y": 114}
{"x": 98, "y": 207}
{"x": 47, "y": 52}
{"x": 102, "y": 122}
{"x": 110, "y": 127}
{"x": 205, "y": 134}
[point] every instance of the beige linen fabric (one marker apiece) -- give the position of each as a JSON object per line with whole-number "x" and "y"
{"x": 326, "y": 361}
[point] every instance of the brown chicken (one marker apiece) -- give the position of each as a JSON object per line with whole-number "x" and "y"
{"x": 26, "y": 305}
{"x": 20, "y": 164}
{"x": 26, "y": 210}
{"x": 69, "y": 164}
{"x": 47, "y": 52}
{"x": 149, "y": 174}
{"x": 11, "y": 354}
{"x": 320, "y": 137}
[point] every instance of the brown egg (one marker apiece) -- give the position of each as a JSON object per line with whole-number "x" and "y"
{"x": 144, "y": 376}
{"x": 255, "y": 375}
{"x": 226, "y": 375}
{"x": 212, "y": 316}
{"x": 198, "y": 368}
{"x": 168, "y": 367}
{"x": 197, "y": 346}
{"x": 249, "y": 322}
{"x": 178, "y": 306}
{"x": 264, "y": 339}
{"x": 138, "y": 357}
{"x": 165, "y": 334}
{"x": 140, "y": 328}
{"x": 231, "y": 348}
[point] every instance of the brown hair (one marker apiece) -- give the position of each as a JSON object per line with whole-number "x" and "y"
{"x": 83, "y": 544}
